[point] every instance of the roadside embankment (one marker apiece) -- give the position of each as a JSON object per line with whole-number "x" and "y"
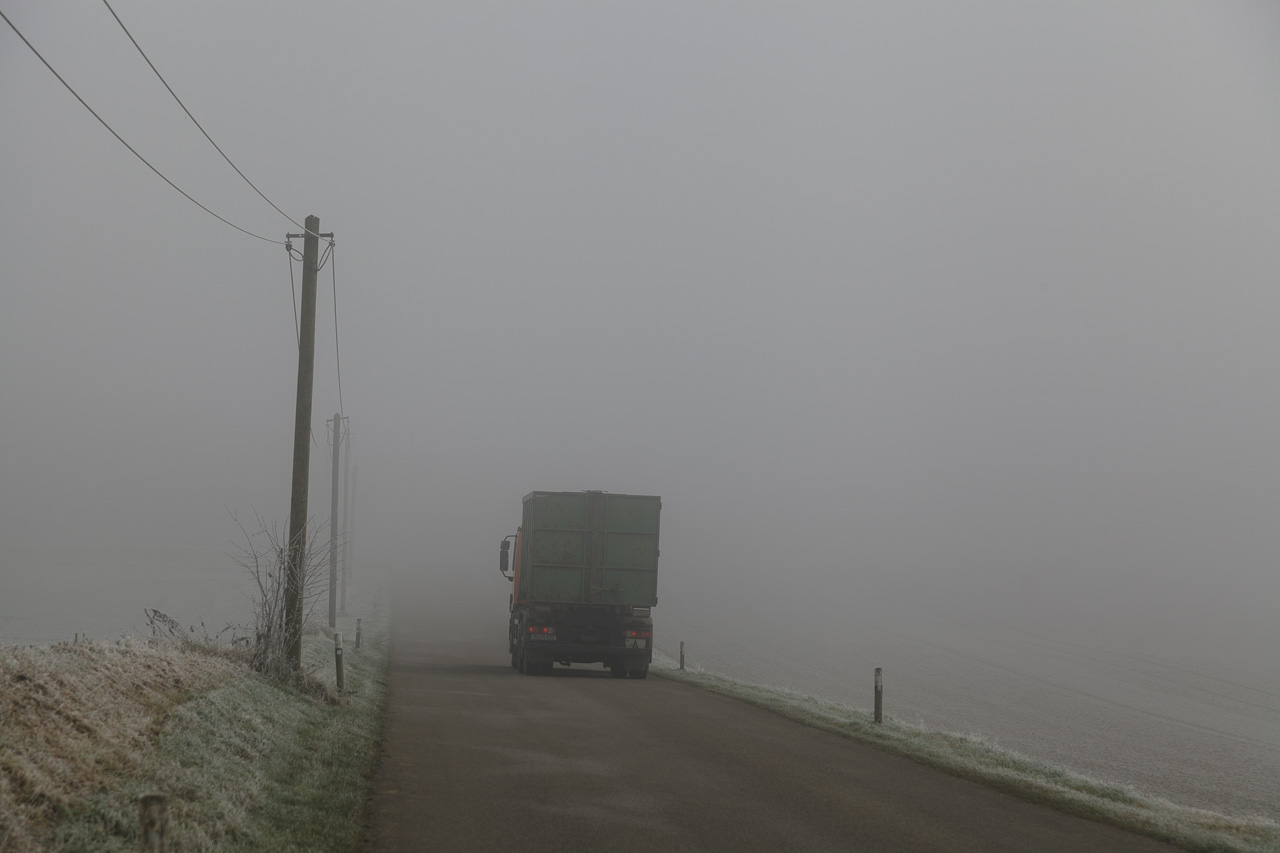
{"x": 979, "y": 760}
{"x": 245, "y": 763}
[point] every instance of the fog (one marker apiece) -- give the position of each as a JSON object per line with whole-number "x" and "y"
{"x": 905, "y": 310}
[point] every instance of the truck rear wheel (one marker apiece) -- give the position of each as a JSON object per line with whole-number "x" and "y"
{"x": 618, "y": 671}
{"x": 639, "y": 673}
{"x": 528, "y": 667}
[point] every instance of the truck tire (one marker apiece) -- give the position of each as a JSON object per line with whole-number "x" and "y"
{"x": 528, "y": 667}
{"x": 639, "y": 673}
{"x": 515, "y": 659}
{"x": 618, "y": 671}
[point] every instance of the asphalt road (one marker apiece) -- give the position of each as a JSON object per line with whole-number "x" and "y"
{"x": 479, "y": 757}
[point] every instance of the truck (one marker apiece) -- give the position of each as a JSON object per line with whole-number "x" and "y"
{"x": 584, "y": 578}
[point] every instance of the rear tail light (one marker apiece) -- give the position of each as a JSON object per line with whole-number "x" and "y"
{"x": 638, "y": 634}
{"x": 541, "y": 629}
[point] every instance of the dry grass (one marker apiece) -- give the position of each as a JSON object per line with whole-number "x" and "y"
{"x": 247, "y": 762}
{"x": 74, "y": 719}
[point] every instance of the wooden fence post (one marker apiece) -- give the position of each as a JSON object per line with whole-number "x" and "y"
{"x": 682, "y": 654}
{"x": 337, "y": 657}
{"x": 153, "y": 823}
{"x": 357, "y": 633}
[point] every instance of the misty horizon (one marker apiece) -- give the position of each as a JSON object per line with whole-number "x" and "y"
{"x": 918, "y": 309}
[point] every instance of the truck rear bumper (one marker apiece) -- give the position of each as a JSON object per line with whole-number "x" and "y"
{"x": 586, "y": 653}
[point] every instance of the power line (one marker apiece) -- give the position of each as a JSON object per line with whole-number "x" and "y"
{"x": 288, "y": 247}
{"x": 324, "y": 257}
{"x": 327, "y": 257}
{"x": 126, "y": 144}
{"x": 337, "y": 355}
{"x": 193, "y": 118}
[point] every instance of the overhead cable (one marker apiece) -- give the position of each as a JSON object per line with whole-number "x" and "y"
{"x": 193, "y": 118}
{"x": 126, "y": 144}
{"x": 337, "y": 355}
{"x": 324, "y": 256}
{"x": 288, "y": 247}
{"x": 292, "y": 289}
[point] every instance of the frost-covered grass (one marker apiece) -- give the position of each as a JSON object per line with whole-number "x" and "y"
{"x": 74, "y": 719}
{"x": 246, "y": 764}
{"x": 977, "y": 759}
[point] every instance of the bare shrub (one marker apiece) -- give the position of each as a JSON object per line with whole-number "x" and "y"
{"x": 165, "y": 629}
{"x": 265, "y": 556}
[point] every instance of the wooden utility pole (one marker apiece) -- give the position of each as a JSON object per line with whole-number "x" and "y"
{"x": 293, "y": 589}
{"x": 346, "y": 518}
{"x": 333, "y": 523}
{"x": 351, "y": 531}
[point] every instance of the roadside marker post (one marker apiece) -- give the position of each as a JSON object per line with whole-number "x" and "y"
{"x": 879, "y": 695}
{"x": 337, "y": 657}
{"x": 153, "y": 823}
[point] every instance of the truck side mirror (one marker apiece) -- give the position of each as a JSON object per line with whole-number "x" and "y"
{"x": 503, "y": 560}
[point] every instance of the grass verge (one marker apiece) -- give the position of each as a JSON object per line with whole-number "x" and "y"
{"x": 246, "y": 764}
{"x": 977, "y": 759}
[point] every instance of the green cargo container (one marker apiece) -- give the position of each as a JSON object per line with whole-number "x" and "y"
{"x": 591, "y": 548}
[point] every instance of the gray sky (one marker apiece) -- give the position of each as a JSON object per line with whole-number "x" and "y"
{"x": 932, "y": 303}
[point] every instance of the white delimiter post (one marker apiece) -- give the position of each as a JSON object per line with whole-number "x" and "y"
{"x": 337, "y": 658}
{"x": 879, "y": 695}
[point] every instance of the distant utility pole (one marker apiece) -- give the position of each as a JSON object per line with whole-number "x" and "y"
{"x": 333, "y": 524}
{"x": 346, "y": 516}
{"x": 351, "y": 531}
{"x": 293, "y": 590}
